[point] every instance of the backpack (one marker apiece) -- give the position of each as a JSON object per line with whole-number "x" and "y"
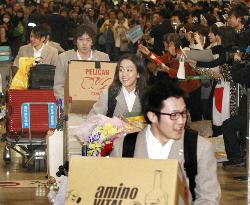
{"x": 111, "y": 104}
{"x": 190, "y": 154}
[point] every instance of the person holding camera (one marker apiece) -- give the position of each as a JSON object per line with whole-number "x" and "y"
{"x": 241, "y": 69}
{"x": 121, "y": 28}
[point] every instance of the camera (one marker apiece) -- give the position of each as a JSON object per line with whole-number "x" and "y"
{"x": 244, "y": 53}
{"x": 195, "y": 20}
{"x": 183, "y": 30}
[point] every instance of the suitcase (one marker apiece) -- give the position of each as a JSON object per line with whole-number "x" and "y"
{"x": 30, "y": 113}
{"x": 42, "y": 76}
{"x": 5, "y": 53}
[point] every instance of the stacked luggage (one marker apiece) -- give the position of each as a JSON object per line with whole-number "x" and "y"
{"x": 30, "y": 115}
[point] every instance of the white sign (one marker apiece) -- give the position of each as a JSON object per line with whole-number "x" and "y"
{"x": 135, "y": 33}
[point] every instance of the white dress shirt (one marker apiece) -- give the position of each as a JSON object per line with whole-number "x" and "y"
{"x": 88, "y": 59}
{"x": 155, "y": 149}
{"x": 38, "y": 53}
{"x": 129, "y": 98}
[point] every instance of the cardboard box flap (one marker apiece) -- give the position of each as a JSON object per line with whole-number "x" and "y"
{"x": 125, "y": 181}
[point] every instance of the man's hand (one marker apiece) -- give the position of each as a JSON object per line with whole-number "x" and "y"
{"x": 237, "y": 56}
{"x": 191, "y": 61}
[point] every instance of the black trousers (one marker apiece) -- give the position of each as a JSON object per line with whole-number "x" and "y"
{"x": 194, "y": 105}
{"x": 234, "y": 133}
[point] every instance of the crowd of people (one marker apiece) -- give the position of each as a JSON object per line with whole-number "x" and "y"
{"x": 98, "y": 31}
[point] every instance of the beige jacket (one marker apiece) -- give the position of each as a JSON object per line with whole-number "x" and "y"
{"x": 207, "y": 190}
{"x": 49, "y": 54}
{"x": 56, "y": 46}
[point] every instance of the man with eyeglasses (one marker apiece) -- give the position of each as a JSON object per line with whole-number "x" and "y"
{"x": 164, "y": 109}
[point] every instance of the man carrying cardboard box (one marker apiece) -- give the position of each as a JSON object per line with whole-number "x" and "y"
{"x": 165, "y": 137}
{"x": 84, "y": 39}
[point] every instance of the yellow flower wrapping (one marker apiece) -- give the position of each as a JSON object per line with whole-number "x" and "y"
{"x": 135, "y": 124}
{"x": 20, "y": 80}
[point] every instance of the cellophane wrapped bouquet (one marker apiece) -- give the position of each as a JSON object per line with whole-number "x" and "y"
{"x": 98, "y": 132}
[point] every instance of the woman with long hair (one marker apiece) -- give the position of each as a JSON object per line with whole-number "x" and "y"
{"x": 125, "y": 92}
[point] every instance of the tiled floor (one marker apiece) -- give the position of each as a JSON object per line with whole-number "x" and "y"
{"x": 234, "y": 192}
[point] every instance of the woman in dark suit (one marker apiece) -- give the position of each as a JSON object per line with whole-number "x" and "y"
{"x": 124, "y": 94}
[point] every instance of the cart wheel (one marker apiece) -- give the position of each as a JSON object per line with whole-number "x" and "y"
{"x": 7, "y": 155}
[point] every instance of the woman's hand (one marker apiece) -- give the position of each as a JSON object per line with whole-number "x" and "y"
{"x": 164, "y": 68}
{"x": 171, "y": 49}
{"x": 143, "y": 49}
{"x": 197, "y": 38}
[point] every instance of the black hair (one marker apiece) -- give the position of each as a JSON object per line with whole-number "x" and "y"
{"x": 170, "y": 5}
{"x": 215, "y": 30}
{"x": 6, "y": 13}
{"x": 82, "y": 29}
{"x": 153, "y": 97}
{"x": 210, "y": 19}
{"x": 201, "y": 29}
{"x": 240, "y": 10}
{"x": 56, "y": 7}
{"x": 173, "y": 37}
{"x": 120, "y": 11}
{"x": 165, "y": 13}
{"x": 39, "y": 31}
{"x": 116, "y": 85}
{"x": 227, "y": 37}
{"x": 180, "y": 14}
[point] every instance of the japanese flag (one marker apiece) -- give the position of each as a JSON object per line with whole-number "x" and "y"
{"x": 221, "y": 103}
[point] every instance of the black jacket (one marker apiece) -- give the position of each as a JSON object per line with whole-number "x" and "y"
{"x": 241, "y": 72}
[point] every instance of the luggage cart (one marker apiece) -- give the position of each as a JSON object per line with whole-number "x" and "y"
{"x": 27, "y": 125}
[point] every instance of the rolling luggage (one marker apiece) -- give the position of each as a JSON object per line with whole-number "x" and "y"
{"x": 42, "y": 76}
{"x": 30, "y": 113}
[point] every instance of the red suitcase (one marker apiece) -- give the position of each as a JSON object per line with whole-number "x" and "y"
{"x": 39, "y": 122}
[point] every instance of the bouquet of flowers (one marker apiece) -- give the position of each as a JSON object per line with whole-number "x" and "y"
{"x": 98, "y": 133}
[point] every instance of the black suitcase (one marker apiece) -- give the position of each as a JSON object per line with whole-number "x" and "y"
{"x": 42, "y": 76}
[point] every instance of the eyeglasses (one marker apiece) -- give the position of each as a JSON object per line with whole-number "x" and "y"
{"x": 175, "y": 115}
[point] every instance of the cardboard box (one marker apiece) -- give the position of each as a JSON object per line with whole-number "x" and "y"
{"x": 84, "y": 83}
{"x": 125, "y": 181}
